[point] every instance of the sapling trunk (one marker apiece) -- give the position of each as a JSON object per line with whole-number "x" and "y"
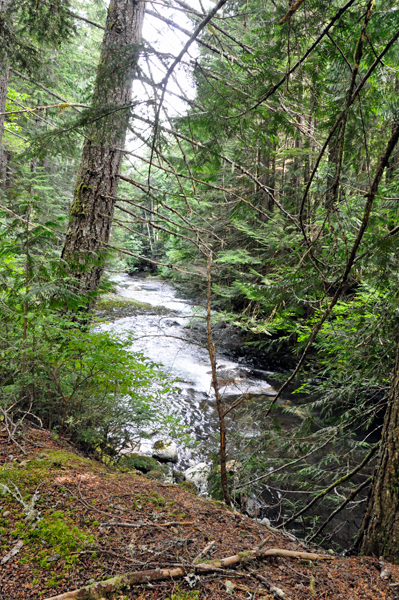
{"x": 26, "y": 304}
{"x": 4, "y": 70}
{"x": 219, "y": 401}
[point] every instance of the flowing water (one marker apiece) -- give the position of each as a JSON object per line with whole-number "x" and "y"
{"x": 174, "y": 337}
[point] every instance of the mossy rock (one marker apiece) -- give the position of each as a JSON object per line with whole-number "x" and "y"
{"x": 189, "y": 486}
{"x": 160, "y": 445}
{"x": 113, "y": 305}
{"x": 145, "y": 464}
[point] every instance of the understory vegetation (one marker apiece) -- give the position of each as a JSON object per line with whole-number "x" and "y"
{"x": 256, "y": 167}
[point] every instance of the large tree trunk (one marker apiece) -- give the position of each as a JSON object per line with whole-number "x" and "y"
{"x": 4, "y": 70}
{"x": 379, "y": 533}
{"x": 92, "y": 208}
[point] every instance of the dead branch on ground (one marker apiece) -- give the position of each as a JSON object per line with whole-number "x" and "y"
{"x": 101, "y": 588}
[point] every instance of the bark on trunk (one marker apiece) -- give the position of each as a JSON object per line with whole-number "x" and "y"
{"x": 92, "y": 210}
{"x": 379, "y": 533}
{"x": 4, "y": 71}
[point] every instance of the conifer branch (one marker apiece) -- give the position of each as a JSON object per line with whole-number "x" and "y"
{"x": 275, "y": 87}
{"x": 337, "y": 482}
{"x": 341, "y": 507}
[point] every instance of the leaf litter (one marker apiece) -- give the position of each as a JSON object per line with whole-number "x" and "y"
{"x": 73, "y": 541}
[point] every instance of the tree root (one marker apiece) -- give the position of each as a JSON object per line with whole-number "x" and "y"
{"x": 115, "y": 584}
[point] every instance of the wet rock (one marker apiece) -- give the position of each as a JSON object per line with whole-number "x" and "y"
{"x": 171, "y": 323}
{"x": 165, "y": 451}
{"x": 131, "y": 449}
{"x": 198, "y": 474}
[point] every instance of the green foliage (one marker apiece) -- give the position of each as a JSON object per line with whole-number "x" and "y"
{"x": 77, "y": 380}
{"x": 27, "y": 25}
{"x": 237, "y": 167}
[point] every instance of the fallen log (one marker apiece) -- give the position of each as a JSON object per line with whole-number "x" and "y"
{"x": 229, "y": 561}
{"x": 120, "y": 582}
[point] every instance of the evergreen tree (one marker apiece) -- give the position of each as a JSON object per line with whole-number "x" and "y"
{"x": 97, "y": 183}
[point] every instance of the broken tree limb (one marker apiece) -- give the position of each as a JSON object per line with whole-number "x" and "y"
{"x": 115, "y": 584}
{"x": 230, "y": 561}
{"x": 292, "y": 10}
{"x": 138, "y": 525}
{"x": 204, "y": 552}
{"x": 99, "y": 589}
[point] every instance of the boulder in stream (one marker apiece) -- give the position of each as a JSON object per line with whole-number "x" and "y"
{"x": 165, "y": 451}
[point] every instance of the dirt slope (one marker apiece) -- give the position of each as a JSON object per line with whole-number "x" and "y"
{"x": 71, "y": 544}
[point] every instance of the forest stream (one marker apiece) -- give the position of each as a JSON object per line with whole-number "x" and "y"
{"x": 172, "y": 334}
{"x": 170, "y": 330}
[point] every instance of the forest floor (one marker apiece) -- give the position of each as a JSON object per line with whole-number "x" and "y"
{"x": 64, "y": 541}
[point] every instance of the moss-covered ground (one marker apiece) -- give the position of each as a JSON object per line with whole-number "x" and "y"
{"x": 71, "y": 537}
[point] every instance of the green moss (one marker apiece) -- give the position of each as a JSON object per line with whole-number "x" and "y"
{"x": 245, "y": 554}
{"x": 78, "y": 205}
{"x": 28, "y": 475}
{"x": 160, "y": 445}
{"x": 157, "y": 500}
{"x": 145, "y": 464}
{"x": 181, "y": 595}
{"x": 177, "y": 515}
{"x": 59, "y": 536}
{"x": 155, "y": 475}
{"x": 214, "y": 562}
{"x": 189, "y": 486}
{"x": 119, "y": 306}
